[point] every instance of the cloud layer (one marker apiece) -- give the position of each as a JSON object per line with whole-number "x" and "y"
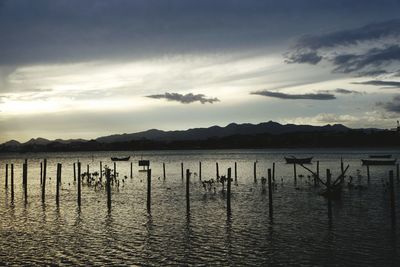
{"x": 318, "y": 96}
{"x": 185, "y": 99}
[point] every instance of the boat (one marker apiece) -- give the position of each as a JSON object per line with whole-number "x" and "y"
{"x": 120, "y": 159}
{"x": 294, "y": 160}
{"x": 380, "y": 156}
{"x": 378, "y": 162}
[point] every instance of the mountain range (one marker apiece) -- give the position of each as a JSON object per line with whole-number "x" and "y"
{"x": 270, "y": 127}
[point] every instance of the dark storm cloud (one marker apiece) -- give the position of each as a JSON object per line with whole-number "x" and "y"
{"x": 375, "y": 57}
{"x": 185, "y": 99}
{"x": 368, "y": 32}
{"x": 383, "y": 37}
{"x": 391, "y": 106}
{"x": 341, "y": 91}
{"x": 318, "y": 96}
{"x": 47, "y": 31}
{"x": 387, "y": 84}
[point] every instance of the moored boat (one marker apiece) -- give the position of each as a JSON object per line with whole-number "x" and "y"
{"x": 378, "y": 162}
{"x": 294, "y": 160}
{"x": 380, "y": 156}
{"x": 120, "y": 159}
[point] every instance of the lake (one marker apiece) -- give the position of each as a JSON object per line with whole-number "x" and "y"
{"x": 360, "y": 233}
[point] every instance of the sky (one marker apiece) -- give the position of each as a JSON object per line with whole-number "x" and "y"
{"x": 84, "y": 69}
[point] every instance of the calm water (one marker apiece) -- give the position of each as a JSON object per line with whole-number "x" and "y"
{"x": 361, "y": 233}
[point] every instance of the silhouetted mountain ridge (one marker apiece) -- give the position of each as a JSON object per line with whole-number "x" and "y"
{"x": 218, "y": 132}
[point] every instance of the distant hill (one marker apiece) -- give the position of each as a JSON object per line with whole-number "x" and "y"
{"x": 218, "y": 132}
{"x": 263, "y": 135}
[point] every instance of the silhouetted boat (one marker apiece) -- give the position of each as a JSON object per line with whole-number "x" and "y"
{"x": 120, "y": 159}
{"x": 294, "y": 160}
{"x": 380, "y": 156}
{"x": 378, "y": 162}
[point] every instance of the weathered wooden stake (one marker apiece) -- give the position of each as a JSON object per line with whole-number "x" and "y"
{"x": 149, "y": 191}
{"x": 58, "y": 183}
{"x": 271, "y": 209}
{"x": 368, "y": 176}
{"x": 115, "y": 170}
{"x": 182, "y": 170}
{"x": 255, "y": 171}
{"x": 187, "y": 191}
{"x": 12, "y": 182}
{"x": 79, "y": 184}
{"x": 163, "y": 168}
{"x": 342, "y": 170}
{"x": 41, "y": 173}
{"x": 228, "y": 191}
{"x": 273, "y": 172}
{"x": 235, "y": 171}
{"x": 6, "y": 176}
{"x": 392, "y": 198}
{"x": 200, "y": 170}
{"x": 217, "y": 170}
{"x": 74, "y": 172}
{"x": 25, "y": 179}
{"x": 131, "y": 170}
{"x": 294, "y": 173}
{"x": 101, "y": 170}
{"x": 87, "y": 173}
{"x": 328, "y": 187}
{"x": 108, "y": 185}
{"x": 44, "y": 180}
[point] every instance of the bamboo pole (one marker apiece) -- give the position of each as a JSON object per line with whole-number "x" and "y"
{"x": 271, "y": 209}
{"x": 79, "y": 184}
{"x": 368, "y": 175}
{"x": 132, "y": 171}
{"x": 294, "y": 172}
{"x": 255, "y": 171}
{"x": 149, "y": 191}
{"x": 273, "y": 172}
{"x": 108, "y": 185}
{"x": 44, "y": 180}
{"x": 200, "y": 170}
{"x": 74, "y": 172}
{"x": 217, "y": 170}
{"x": 101, "y": 171}
{"x": 235, "y": 171}
{"x": 328, "y": 187}
{"x": 12, "y": 183}
{"x": 187, "y": 191}
{"x": 163, "y": 167}
{"x": 6, "y": 185}
{"x": 182, "y": 170}
{"x": 228, "y": 197}
{"x": 58, "y": 182}
{"x": 392, "y": 198}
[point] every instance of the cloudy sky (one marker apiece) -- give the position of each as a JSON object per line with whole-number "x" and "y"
{"x": 83, "y": 69}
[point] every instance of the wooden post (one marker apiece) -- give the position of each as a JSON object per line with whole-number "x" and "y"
{"x": 115, "y": 170}
{"x": 228, "y": 191}
{"x": 392, "y": 198}
{"x": 273, "y": 172}
{"x": 87, "y": 173}
{"x": 41, "y": 173}
{"x": 101, "y": 171}
{"x": 187, "y": 191}
{"x": 200, "y": 170}
{"x": 58, "y": 182}
{"x": 132, "y": 170}
{"x": 79, "y": 184}
{"x": 271, "y": 210}
{"x": 255, "y": 171}
{"x": 397, "y": 172}
{"x": 217, "y": 169}
{"x": 342, "y": 170}
{"x": 74, "y": 172}
{"x": 6, "y": 176}
{"x": 368, "y": 176}
{"x": 182, "y": 170}
{"x": 163, "y": 168}
{"x": 235, "y": 171}
{"x": 25, "y": 179}
{"x": 294, "y": 173}
{"x": 44, "y": 180}
{"x": 316, "y": 178}
{"x": 12, "y": 182}
{"x": 328, "y": 187}
{"x": 149, "y": 191}
{"x": 108, "y": 185}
